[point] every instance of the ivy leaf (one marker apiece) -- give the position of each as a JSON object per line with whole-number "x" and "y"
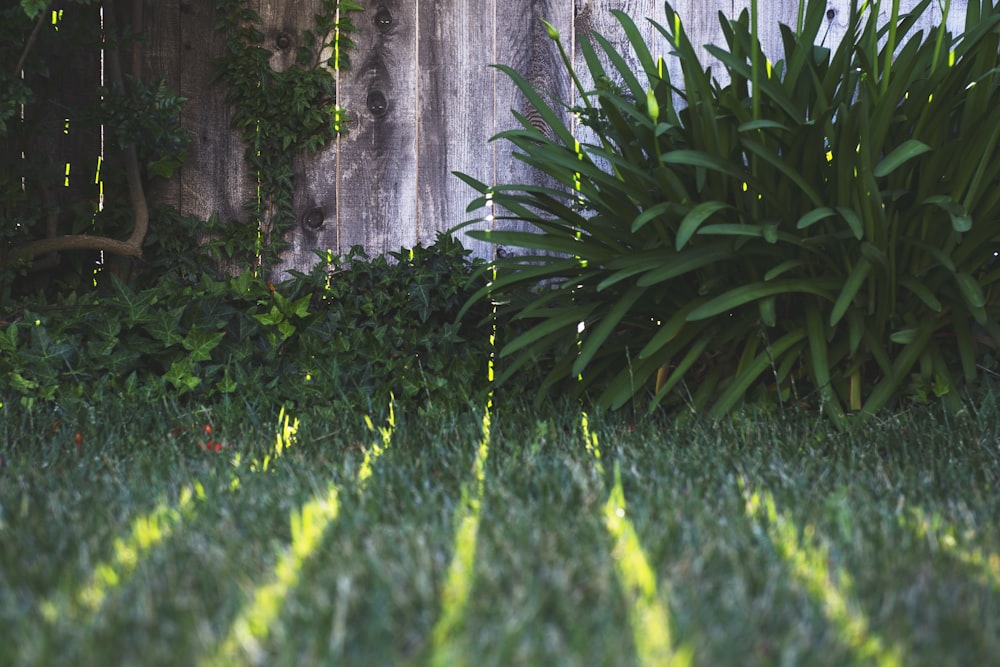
{"x": 270, "y": 318}
{"x": 300, "y": 307}
{"x": 136, "y": 305}
{"x": 33, "y": 7}
{"x": 201, "y": 343}
{"x": 165, "y": 326}
{"x": 181, "y": 376}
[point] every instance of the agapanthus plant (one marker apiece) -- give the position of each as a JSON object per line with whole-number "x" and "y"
{"x": 819, "y": 228}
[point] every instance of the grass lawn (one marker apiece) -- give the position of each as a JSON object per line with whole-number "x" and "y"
{"x": 512, "y": 536}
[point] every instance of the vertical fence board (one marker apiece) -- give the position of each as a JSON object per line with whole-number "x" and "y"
{"x": 597, "y": 18}
{"x": 214, "y": 179}
{"x": 315, "y": 202}
{"x": 159, "y": 52}
{"x": 524, "y": 45}
{"x": 377, "y": 168}
{"x": 455, "y": 116}
{"x": 315, "y": 198}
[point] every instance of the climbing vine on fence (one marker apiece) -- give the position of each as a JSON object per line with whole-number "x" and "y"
{"x": 282, "y": 113}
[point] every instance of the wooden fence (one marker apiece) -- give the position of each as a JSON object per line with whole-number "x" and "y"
{"x": 423, "y": 100}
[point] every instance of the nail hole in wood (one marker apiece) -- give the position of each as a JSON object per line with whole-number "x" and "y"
{"x": 830, "y": 13}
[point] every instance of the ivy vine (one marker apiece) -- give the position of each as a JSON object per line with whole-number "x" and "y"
{"x": 281, "y": 114}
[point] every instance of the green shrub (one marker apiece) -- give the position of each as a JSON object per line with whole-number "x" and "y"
{"x": 352, "y": 332}
{"x": 819, "y": 229}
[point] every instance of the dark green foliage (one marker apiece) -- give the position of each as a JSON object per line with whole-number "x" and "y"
{"x": 352, "y": 332}
{"x": 146, "y": 115}
{"x": 57, "y": 176}
{"x": 828, "y": 239}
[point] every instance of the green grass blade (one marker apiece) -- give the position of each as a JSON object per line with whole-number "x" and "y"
{"x": 891, "y": 384}
{"x": 687, "y": 261}
{"x": 961, "y": 221}
{"x": 971, "y": 291}
{"x": 812, "y": 217}
{"x": 921, "y": 291}
{"x": 669, "y": 330}
{"x": 693, "y": 354}
{"x": 566, "y": 320}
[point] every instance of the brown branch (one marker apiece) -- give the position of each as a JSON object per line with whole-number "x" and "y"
{"x": 131, "y": 247}
{"x": 31, "y": 40}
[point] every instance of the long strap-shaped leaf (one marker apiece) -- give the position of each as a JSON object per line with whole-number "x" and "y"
{"x": 737, "y": 389}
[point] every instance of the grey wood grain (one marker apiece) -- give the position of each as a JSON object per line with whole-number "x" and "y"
{"x": 455, "y": 116}
{"x": 214, "y": 179}
{"x": 524, "y": 45}
{"x": 423, "y": 103}
{"x": 377, "y": 160}
{"x": 158, "y": 54}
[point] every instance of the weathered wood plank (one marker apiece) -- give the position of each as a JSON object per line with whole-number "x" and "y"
{"x": 423, "y": 101}
{"x": 524, "y": 45}
{"x": 376, "y": 161}
{"x": 315, "y": 202}
{"x": 455, "y": 112}
{"x": 595, "y": 17}
{"x": 214, "y": 179}
{"x": 315, "y": 197}
{"x": 158, "y": 55}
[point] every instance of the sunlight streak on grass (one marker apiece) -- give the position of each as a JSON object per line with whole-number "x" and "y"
{"x": 649, "y": 617}
{"x": 447, "y": 650}
{"x": 254, "y": 623}
{"x": 285, "y": 438}
{"x": 247, "y": 634}
{"x": 375, "y": 451}
{"x": 146, "y": 532}
{"x": 830, "y": 586}
{"x": 944, "y": 538}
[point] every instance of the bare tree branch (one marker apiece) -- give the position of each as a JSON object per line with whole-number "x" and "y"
{"x": 131, "y": 247}
{"x": 31, "y": 40}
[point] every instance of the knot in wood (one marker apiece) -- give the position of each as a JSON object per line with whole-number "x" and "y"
{"x": 383, "y": 19}
{"x": 283, "y": 41}
{"x": 831, "y": 13}
{"x": 377, "y": 104}
{"x": 313, "y": 219}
